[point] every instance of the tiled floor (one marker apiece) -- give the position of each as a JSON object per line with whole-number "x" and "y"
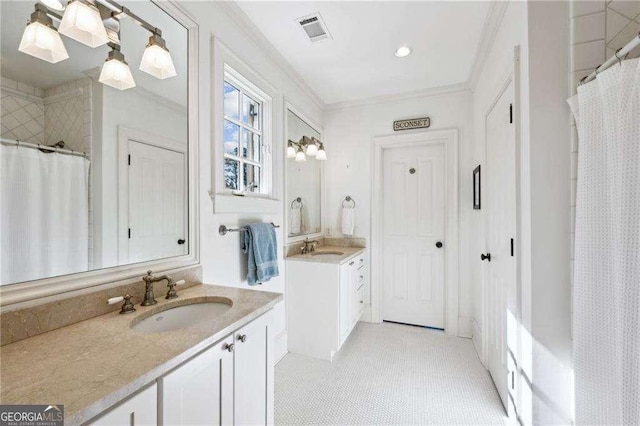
{"x": 389, "y": 374}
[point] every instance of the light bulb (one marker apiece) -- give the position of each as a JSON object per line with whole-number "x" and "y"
{"x": 291, "y": 151}
{"x": 82, "y": 22}
{"x": 322, "y": 154}
{"x": 300, "y": 157}
{"x": 312, "y": 150}
{"x": 41, "y": 40}
{"x": 116, "y": 73}
{"x": 156, "y": 59}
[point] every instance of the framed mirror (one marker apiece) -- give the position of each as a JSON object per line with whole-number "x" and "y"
{"x": 304, "y": 177}
{"x": 98, "y": 149}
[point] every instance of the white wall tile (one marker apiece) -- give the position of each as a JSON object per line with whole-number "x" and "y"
{"x": 625, "y": 36}
{"x": 585, "y": 7}
{"x": 615, "y": 23}
{"x": 588, "y": 28}
{"x": 628, "y": 8}
{"x": 587, "y": 56}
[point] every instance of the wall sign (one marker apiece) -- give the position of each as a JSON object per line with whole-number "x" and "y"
{"x": 412, "y": 123}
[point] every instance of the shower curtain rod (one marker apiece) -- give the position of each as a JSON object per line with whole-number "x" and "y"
{"x": 18, "y": 144}
{"x": 616, "y": 58}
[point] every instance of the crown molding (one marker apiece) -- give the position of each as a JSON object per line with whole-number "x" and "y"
{"x": 245, "y": 23}
{"x": 431, "y": 91}
{"x": 492, "y": 22}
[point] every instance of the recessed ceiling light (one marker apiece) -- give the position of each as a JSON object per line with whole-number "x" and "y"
{"x": 403, "y": 51}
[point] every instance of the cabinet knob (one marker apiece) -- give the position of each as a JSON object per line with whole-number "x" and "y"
{"x": 351, "y": 263}
{"x": 439, "y": 244}
{"x": 228, "y": 347}
{"x": 242, "y": 338}
{"x": 485, "y": 256}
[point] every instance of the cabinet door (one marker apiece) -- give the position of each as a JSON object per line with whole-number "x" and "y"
{"x": 254, "y": 369}
{"x": 200, "y": 392}
{"x": 140, "y": 409}
{"x": 346, "y": 291}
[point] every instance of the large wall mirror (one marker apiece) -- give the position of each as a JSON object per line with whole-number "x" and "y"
{"x": 303, "y": 177}
{"x": 95, "y": 137}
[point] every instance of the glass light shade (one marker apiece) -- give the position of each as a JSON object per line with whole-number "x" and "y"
{"x": 157, "y": 62}
{"x": 43, "y": 42}
{"x": 82, "y": 22}
{"x": 291, "y": 151}
{"x": 300, "y": 157}
{"x": 321, "y": 155}
{"x": 116, "y": 73}
{"x": 312, "y": 150}
{"x": 53, "y": 4}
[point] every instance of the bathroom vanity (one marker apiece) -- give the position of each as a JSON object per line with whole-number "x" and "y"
{"x": 104, "y": 372}
{"x": 325, "y": 298}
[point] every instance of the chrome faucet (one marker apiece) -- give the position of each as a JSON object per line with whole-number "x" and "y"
{"x": 149, "y": 298}
{"x": 309, "y": 246}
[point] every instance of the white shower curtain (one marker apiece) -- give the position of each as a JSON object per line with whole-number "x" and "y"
{"x": 607, "y": 248}
{"x": 44, "y": 204}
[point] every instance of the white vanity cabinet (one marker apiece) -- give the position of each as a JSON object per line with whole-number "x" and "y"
{"x": 138, "y": 410}
{"x": 200, "y": 391}
{"x": 325, "y": 300}
{"x": 228, "y": 383}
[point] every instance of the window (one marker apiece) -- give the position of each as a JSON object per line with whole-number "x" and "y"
{"x": 244, "y": 136}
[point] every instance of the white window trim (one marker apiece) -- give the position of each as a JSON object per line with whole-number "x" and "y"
{"x": 226, "y": 64}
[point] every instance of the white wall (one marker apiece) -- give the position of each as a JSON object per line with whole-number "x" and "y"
{"x": 221, "y": 259}
{"x": 348, "y": 137}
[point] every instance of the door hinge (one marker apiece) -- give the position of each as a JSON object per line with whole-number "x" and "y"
{"x": 512, "y": 247}
{"x": 129, "y": 232}
{"x": 129, "y": 159}
{"x": 510, "y": 113}
{"x": 513, "y": 380}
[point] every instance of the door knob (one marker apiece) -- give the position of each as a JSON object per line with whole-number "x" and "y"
{"x": 181, "y": 241}
{"x": 439, "y": 244}
{"x": 486, "y": 257}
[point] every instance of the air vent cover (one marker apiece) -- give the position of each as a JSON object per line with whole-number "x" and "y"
{"x": 314, "y": 27}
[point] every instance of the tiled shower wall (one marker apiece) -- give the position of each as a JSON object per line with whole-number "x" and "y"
{"x": 21, "y": 112}
{"x": 598, "y": 30}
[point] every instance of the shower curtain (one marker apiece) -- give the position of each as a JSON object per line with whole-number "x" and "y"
{"x": 45, "y": 214}
{"x": 607, "y": 248}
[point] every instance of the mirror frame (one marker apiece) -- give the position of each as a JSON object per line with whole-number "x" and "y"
{"x": 11, "y": 294}
{"x": 315, "y": 126}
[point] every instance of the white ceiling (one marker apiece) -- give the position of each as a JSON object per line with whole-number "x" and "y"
{"x": 358, "y": 62}
{"x": 37, "y": 73}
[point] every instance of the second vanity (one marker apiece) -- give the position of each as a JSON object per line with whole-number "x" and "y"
{"x": 326, "y": 296}
{"x": 212, "y": 371}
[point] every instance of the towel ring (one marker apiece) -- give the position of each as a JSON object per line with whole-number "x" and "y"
{"x": 348, "y": 199}
{"x": 297, "y": 200}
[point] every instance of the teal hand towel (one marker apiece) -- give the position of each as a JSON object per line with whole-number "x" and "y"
{"x": 259, "y": 243}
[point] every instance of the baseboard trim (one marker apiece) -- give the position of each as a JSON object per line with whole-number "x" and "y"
{"x": 281, "y": 348}
{"x": 477, "y": 338}
{"x": 465, "y": 328}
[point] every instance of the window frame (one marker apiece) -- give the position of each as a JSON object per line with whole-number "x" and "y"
{"x": 246, "y": 87}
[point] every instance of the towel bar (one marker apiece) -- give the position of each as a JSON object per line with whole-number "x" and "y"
{"x": 348, "y": 199}
{"x": 222, "y": 230}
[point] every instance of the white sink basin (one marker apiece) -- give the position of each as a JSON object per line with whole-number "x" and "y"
{"x": 179, "y": 317}
{"x": 327, "y": 253}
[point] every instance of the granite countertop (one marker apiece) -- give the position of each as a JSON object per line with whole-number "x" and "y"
{"x": 91, "y": 365}
{"x": 316, "y": 257}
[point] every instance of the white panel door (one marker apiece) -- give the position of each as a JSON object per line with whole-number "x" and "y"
{"x": 138, "y": 410}
{"x": 157, "y": 203}
{"x": 500, "y": 200}
{"x": 200, "y": 392}
{"x": 253, "y": 366}
{"x": 414, "y": 224}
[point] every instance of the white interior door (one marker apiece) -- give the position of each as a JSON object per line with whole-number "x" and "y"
{"x": 501, "y": 227}
{"x": 414, "y": 224}
{"x": 157, "y": 203}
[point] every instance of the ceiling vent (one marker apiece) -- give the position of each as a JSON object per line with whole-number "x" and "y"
{"x": 314, "y": 26}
